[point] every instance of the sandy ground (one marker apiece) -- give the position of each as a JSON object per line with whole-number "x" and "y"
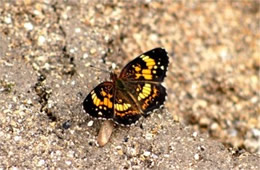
{"x": 211, "y": 119}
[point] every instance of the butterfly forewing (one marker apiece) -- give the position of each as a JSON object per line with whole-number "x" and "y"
{"x": 100, "y": 101}
{"x": 150, "y": 66}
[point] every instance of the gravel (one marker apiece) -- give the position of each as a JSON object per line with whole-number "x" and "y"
{"x": 211, "y": 119}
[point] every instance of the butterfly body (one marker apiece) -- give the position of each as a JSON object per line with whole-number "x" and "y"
{"x": 136, "y": 92}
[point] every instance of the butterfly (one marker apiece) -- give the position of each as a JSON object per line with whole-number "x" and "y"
{"x": 137, "y": 91}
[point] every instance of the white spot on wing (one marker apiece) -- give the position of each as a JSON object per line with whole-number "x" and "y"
{"x": 162, "y": 67}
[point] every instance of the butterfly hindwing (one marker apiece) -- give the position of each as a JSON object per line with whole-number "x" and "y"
{"x": 149, "y": 96}
{"x": 150, "y": 66}
{"x": 126, "y": 111}
{"x": 99, "y": 102}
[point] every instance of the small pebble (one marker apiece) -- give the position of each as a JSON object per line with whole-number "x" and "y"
{"x": 17, "y": 138}
{"x": 149, "y": 136}
{"x": 28, "y": 26}
{"x": 85, "y": 55}
{"x": 66, "y": 125}
{"x": 113, "y": 65}
{"x": 147, "y": 153}
{"x": 8, "y": 20}
{"x": 196, "y": 157}
{"x": 105, "y": 132}
{"x": 93, "y": 51}
{"x": 68, "y": 162}
{"x": 166, "y": 155}
{"x": 77, "y": 30}
{"x": 41, "y": 162}
{"x": 41, "y": 40}
{"x": 195, "y": 134}
{"x": 90, "y": 123}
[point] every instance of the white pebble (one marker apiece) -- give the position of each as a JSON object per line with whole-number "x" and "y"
{"x": 90, "y": 123}
{"x": 196, "y": 156}
{"x": 72, "y": 50}
{"x": 68, "y": 162}
{"x": 77, "y": 30}
{"x": 85, "y": 55}
{"x": 8, "y": 20}
{"x": 113, "y": 65}
{"x": 147, "y": 153}
{"x": 17, "y": 138}
{"x": 28, "y": 26}
{"x": 41, "y": 162}
{"x": 41, "y": 40}
{"x": 195, "y": 134}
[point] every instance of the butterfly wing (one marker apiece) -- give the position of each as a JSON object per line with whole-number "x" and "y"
{"x": 150, "y": 66}
{"x": 142, "y": 78}
{"x": 126, "y": 111}
{"x": 99, "y": 102}
{"x": 148, "y": 96}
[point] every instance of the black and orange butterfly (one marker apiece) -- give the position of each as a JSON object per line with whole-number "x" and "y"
{"x": 136, "y": 92}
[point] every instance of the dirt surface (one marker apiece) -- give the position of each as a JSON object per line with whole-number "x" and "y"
{"x": 213, "y": 84}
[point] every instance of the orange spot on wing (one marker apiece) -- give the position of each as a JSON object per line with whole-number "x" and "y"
{"x": 148, "y": 77}
{"x": 146, "y": 71}
{"x": 137, "y": 68}
{"x": 106, "y": 101}
{"x": 110, "y": 104}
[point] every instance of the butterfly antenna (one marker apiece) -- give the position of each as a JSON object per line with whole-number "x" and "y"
{"x": 100, "y": 69}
